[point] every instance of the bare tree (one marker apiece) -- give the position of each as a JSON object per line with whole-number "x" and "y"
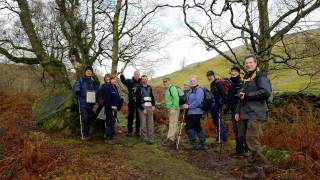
{"x": 258, "y": 24}
{"x": 183, "y": 62}
{"x": 133, "y": 33}
{"x": 63, "y": 35}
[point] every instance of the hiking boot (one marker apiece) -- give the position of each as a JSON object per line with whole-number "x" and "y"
{"x": 167, "y": 142}
{"x": 258, "y": 174}
{"x": 149, "y": 142}
{"x": 86, "y": 138}
{"x": 201, "y": 147}
{"x": 137, "y": 134}
{"x": 247, "y": 154}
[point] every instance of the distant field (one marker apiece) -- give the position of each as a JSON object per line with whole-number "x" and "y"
{"x": 285, "y": 80}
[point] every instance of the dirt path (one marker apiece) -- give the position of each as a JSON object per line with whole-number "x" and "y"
{"x": 28, "y": 151}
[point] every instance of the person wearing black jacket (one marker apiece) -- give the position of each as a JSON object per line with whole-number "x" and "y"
{"x": 132, "y": 85}
{"x": 111, "y": 102}
{"x": 233, "y": 101}
{"x": 220, "y": 96}
{"x": 146, "y": 105}
{"x": 252, "y": 112}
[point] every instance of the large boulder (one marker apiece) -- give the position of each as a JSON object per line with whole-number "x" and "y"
{"x": 56, "y": 112}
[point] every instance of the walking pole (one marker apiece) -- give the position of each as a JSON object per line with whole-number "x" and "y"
{"x": 180, "y": 130}
{"x": 81, "y": 131}
{"x": 219, "y": 136}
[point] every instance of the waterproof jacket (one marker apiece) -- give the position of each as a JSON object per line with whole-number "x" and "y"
{"x": 171, "y": 97}
{"x": 233, "y": 93}
{"x": 142, "y": 93}
{"x": 111, "y": 96}
{"x": 81, "y": 87}
{"x": 132, "y": 86}
{"x": 195, "y": 100}
{"x": 257, "y": 91}
{"x": 217, "y": 90}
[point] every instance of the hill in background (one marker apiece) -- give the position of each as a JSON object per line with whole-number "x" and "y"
{"x": 283, "y": 80}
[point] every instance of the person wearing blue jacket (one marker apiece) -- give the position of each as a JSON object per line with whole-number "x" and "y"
{"x": 111, "y": 102}
{"x": 193, "y": 125}
{"x": 86, "y": 93}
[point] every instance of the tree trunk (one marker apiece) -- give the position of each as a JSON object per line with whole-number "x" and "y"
{"x": 115, "y": 40}
{"x": 264, "y": 44}
{"x": 52, "y": 66}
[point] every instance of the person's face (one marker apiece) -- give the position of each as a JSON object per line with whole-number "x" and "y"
{"x": 234, "y": 73}
{"x": 144, "y": 80}
{"x": 250, "y": 64}
{"x": 107, "y": 79}
{"x": 210, "y": 78}
{"x": 136, "y": 75}
{"x": 114, "y": 81}
{"x": 186, "y": 87}
{"x": 193, "y": 82}
{"x": 166, "y": 83}
{"x": 88, "y": 73}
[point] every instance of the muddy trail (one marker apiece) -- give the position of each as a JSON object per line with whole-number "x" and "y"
{"x": 29, "y": 152}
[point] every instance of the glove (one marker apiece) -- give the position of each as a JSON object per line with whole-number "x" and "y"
{"x": 225, "y": 109}
{"x": 95, "y": 108}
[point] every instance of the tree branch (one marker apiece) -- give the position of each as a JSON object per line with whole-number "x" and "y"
{"x": 15, "y": 59}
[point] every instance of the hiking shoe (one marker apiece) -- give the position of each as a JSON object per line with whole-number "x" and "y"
{"x": 257, "y": 174}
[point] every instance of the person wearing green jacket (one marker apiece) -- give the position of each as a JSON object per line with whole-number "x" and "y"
{"x": 172, "y": 106}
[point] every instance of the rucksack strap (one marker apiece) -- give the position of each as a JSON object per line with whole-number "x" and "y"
{"x": 170, "y": 90}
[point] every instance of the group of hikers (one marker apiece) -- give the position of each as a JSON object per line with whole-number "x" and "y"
{"x": 246, "y": 98}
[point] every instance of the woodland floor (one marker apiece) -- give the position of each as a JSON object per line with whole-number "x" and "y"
{"x": 29, "y": 152}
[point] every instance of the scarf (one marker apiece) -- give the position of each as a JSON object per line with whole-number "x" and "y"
{"x": 250, "y": 76}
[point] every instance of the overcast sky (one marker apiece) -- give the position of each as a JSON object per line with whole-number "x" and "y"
{"x": 181, "y": 47}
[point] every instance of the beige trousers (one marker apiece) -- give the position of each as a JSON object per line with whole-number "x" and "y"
{"x": 173, "y": 124}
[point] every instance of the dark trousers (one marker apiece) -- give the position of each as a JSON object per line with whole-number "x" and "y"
{"x": 133, "y": 112}
{"x": 241, "y": 146}
{"x": 109, "y": 123}
{"x": 87, "y": 116}
{"x": 216, "y": 117}
{"x": 193, "y": 127}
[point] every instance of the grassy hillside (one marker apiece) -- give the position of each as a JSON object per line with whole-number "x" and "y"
{"x": 285, "y": 80}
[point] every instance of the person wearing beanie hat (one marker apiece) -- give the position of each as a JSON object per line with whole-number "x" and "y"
{"x": 186, "y": 84}
{"x": 220, "y": 97}
{"x": 186, "y": 91}
{"x": 236, "y": 67}
{"x": 233, "y": 101}
{"x": 89, "y": 68}
{"x": 210, "y": 73}
{"x": 86, "y": 93}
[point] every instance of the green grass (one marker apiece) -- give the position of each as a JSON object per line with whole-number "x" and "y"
{"x": 284, "y": 80}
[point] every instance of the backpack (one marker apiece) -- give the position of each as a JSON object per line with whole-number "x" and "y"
{"x": 182, "y": 97}
{"x": 270, "y": 98}
{"x": 208, "y": 100}
{"x": 226, "y": 83}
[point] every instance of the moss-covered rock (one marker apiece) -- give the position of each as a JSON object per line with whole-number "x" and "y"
{"x": 56, "y": 112}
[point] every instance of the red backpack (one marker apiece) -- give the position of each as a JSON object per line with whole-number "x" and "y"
{"x": 226, "y": 83}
